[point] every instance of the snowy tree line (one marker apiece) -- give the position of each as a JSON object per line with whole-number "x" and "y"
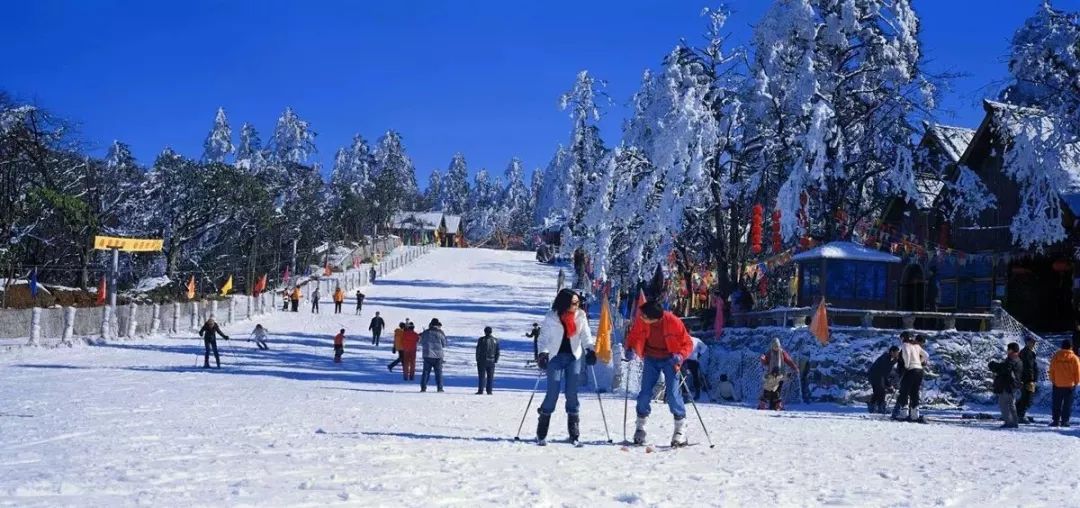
{"x": 817, "y": 120}
{"x": 243, "y": 208}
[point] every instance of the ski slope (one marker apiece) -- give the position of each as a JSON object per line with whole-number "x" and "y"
{"x": 134, "y": 423}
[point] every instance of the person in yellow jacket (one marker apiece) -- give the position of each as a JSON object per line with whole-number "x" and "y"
{"x": 399, "y": 335}
{"x": 1064, "y": 375}
{"x": 295, "y": 298}
{"x": 339, "y": 298}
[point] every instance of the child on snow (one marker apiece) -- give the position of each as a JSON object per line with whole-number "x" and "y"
{"x": 339, "y": 345}
{"x": 726, "y": 389}
{"x": 259, "y": 335}
{"x": 774, "y": 361}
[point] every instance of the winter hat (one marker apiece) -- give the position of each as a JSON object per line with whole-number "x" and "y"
{"x": 652, "y": 309}
{"x": 487, "y": 330}
{"x": 920, "y": 339}
{"x": 1029, "y": 338}
{"x": 776, "y": 343}
{"x": 434, "y": 322}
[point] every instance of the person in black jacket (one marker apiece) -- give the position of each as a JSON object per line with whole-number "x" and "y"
{"x": 1006, "y": 381}
{"x": 880, "y": 381}
{"x": 376, "y": 327}
{"x": 487, "y": 355}
{"x": 209, "y": 332}
{"x": 534, "y": 334}
{"x": 1029, "y": 376}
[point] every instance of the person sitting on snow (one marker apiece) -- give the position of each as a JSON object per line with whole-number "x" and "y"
{"x": 774, "y": 361}
{"x": 662, "y": 342}
{"x": 726, "y": 389}
{"x": 259, "y": 334}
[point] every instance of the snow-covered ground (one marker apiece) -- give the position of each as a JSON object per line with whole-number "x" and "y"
{"x": 134, "y": 423}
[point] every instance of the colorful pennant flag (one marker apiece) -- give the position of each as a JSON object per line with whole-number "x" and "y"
{"x": 603, "y": 332}
{"x": 101, "y": 289}
{"x": 227, "y": 287}
{"x": 819, "y": 324}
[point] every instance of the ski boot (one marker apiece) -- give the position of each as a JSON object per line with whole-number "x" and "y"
{"x": 572, "y": 428}
{"x": 896, "y": 412}
{"x": 639, "y": 430}
{"x": 542, "y": 429}
{"x": 678, "y": 438}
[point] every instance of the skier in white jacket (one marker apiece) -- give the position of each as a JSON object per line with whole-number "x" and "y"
{"x": 565, "y": 330}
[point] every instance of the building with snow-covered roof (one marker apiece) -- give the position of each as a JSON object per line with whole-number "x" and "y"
{"x": 428, "y": 227}
{"x": 847, "y": 274}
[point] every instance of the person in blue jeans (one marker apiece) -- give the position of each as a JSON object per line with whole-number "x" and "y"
{"x": 565, "y": 330}
{"x": 660, "y": 339}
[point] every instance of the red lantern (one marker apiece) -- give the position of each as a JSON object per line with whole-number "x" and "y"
{"x": 776, "y": 240}
{"x": 755, "y": 228}
{"x": 1061, "y": 266}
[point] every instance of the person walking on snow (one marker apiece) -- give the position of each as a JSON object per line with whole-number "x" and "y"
{"x": 487, "y": 355}
{"x": 315, "y": 301}
{"x": 209, "y": 332}
{"x": 534, "y": 334}
{"x": 339, "y": 345}
{"x": 660, "y": 339}
{"x": 295, "y": 297}
{"x": 774, "y": 360}
{"x": 433, "y": 340}
{"x": 371, "y": 275}
{"x": 285, "y": 300}
{"x": 565, "y": 330}
{"x": 259, "y": 334}
{"x": 915, "y": 360}
{"x": 359, "y": 302}
{"x": 880, "y": 381}
{"x": 1064, "y": 375}
{"x": 1028, "y": 377}
{"x": 409, "y": 340}
{"x": 692, "y": 367}
{"x": 398, "y": 333}
{"x": 1006, "y": 381}
{"x": 376, "y": 328}
{"x": 339, "y": 298}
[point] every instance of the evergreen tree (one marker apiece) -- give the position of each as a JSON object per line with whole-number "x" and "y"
{"x": 293, "y": 140}
{"x": 395, "y": 181}
{"x": 218, "y": 144}
{"x": 514, "y": 205}
{"x": 249, "y": 152}
{"x": 456, "y": 187}
{"x": 434, "y": 195}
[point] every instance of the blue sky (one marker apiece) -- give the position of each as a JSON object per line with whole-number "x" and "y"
{"x": 481, "y": 77}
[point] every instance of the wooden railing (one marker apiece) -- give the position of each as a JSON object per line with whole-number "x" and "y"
{"x": 791, "y": 316}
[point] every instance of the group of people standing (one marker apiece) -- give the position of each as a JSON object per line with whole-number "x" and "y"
{"x": 909, "y": 360}
{"x": 292, "y": 299}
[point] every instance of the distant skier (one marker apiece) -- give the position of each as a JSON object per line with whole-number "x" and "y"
{"x": 339, "y": 298}
{"x": 409, "y": 341}
{"x": 1028, "y": 377}
{"x": 359, "y": 302}
{"x": 315, "y": 301}
{"x": 880, "y": 379}
{"x": 1006, "y": 381}
{"x": 433, "y": 340}
{"x": 209, "y": 332}
{"x": 399, "y": 333}
{"x": 371, "y": 275}
{"x": 339, "y": 345}
{"x": 534, "y": 334}
{"x": 774, "y": 360}
{"x": 487, "y": 355}
{"x": 692, "y": 367}
{"x": 660, "y": 339}
{"x": 259, "y": 335}
{"x": 295, "y": 297}
{"x": 285, "y": 300}
{"x": 1064, "y": 376}
{"x": 915, "y": 360}
{"x": 376, "y": 328}
{"x": 565, "y": 330}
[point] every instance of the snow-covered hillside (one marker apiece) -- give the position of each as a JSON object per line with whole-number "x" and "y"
{"x": 134, "y": 423}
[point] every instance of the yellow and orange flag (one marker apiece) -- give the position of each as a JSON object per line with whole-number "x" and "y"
{"x": 227, "y": 287}
{"x": 819, "y": 324}
{"x": 603, "y": 332}
{"x": 101, "y": 289}
{"x": 191, "y": 288}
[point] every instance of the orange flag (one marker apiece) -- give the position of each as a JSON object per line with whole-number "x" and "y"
{"x": 326, "y": 269}
{"x": 260, "y": 285}
{"x": 101, "y": 288}
{"x": 819, "y": 324}
{"x": 191, "y": 288}
{"x": 603, "y": 333}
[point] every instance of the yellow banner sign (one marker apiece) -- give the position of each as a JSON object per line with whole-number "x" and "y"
{"x": 127, "y": 244}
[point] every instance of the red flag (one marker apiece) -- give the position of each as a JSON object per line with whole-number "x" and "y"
{"x": 101, "y": 288}
{"x": 819, "y": 324}
{"x": 326, "y": 269}
{"x": 260, "y": 285}
{"x": 285, "y": 277}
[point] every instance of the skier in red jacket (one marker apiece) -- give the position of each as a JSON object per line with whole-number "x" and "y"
{"x": 773, "y": 361}
{"x": 662, "y": 342}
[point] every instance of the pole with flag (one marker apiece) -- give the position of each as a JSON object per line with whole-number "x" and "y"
{"x": 603, "y": 332}
{"x": 191, "y": 288}
{"x": 819, "y": 324}
{"x": 101, "y": 288}
{"x": 227, "y": 287}
{"x": 260, "y": 285}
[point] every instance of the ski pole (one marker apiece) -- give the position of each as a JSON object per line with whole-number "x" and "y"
{"x": 682, "y": 381}
{"x": 601, "y": 401}
{"x": 626, "y": 398}
{"x": 527, "y": 406}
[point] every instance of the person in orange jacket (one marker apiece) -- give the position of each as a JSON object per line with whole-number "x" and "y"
{"x": 295, "y": 298}
{"x": 1064, "y": 375}
{"x": 399, "y": 332}
{"x": 339, "y": 345}
{"x": 339, "y": 298}
{"x": 662, "y": 342}
{"x": 409, "y": 340}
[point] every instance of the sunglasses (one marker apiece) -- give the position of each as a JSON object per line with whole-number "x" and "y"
{"x": 575, "y": 302}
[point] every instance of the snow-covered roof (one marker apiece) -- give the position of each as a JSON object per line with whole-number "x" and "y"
{"x": 929, "y": 188}
{"x": 953, "y": 140}
{"x": 452, "y": 223}
{"x": 413, "y": 220}
{"x": 846, "y": 250}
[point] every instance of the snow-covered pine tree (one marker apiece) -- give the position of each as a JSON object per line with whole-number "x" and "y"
{"x": 481, "y": 214}
{"x": 293, "y": 139}
{"x": 218, "y": 144}
{"x": 1042, "y": 122}
{"x": 585, "y": 153}
{"x": 395, "y": 186}
{"x": 515, "y": 203}
{"x": 249, "y": 151}
{"x": 456, "y": 186}
{"x": 434, "y": 194}
{"x": 555, "y": 201}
